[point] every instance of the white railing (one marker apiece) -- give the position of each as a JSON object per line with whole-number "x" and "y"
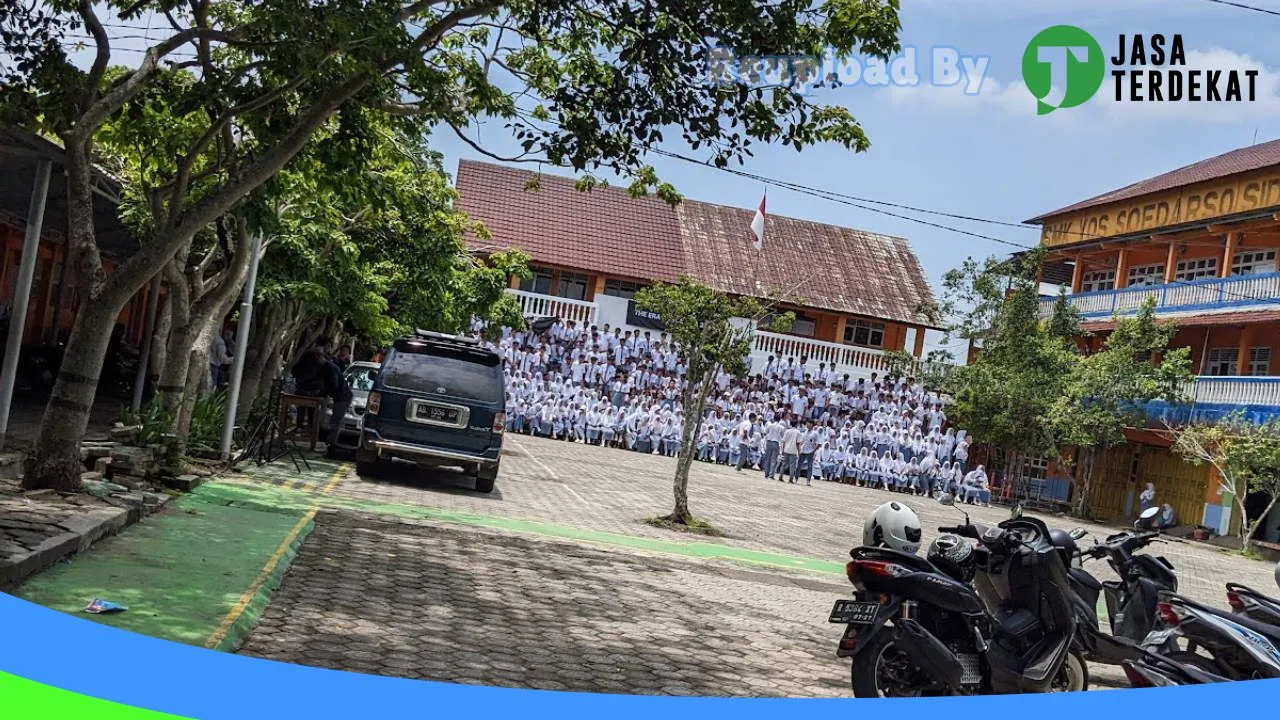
{"x": 1211, "y": 294}
{"x": 856, "y": 361}
{"x": 581, "y": 312}
{"x": 1236, "y": 391}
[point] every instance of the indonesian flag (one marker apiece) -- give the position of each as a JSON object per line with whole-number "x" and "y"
{"x": 757, "y": 225}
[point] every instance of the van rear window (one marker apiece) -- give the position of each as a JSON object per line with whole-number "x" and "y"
{"x": 471, "y": 376}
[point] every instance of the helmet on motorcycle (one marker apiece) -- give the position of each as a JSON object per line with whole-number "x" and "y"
{"x": 953, "y": 556}
{"x": 1066, "y": 544}
{"x": 892, "y": 525}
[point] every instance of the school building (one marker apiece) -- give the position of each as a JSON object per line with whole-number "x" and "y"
{"x": 855, "y": 294}
{"x": 1202, "y": 241}
{"x": 53, "y": 300}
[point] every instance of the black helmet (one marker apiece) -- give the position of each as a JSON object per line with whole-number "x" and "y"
{"x": 1066, "y": 544}
{"x": 953, "y": 556}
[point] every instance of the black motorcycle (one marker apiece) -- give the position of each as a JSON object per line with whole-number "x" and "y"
{"x": 1148, "y": 670}
{"x": 913, "y": 629}
{"x": 1215, "y": 641}
{"x": 1253, "y": 604}
{"x": 1131, "y": 600}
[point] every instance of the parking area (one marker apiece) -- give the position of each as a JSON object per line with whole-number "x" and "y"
{"x": 614, "y": 491}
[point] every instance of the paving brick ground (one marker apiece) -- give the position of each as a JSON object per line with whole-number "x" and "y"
{"x": 422, "y": 601}
{"x": 418, "y": 599}
{"x": 614, "y": 490}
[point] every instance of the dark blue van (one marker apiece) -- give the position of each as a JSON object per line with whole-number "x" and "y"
{"x": 438, "y": 400}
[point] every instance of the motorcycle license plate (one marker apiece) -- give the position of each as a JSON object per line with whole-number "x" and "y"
{"x": 1157, "y": 638}
{"x": 853, "y": 612}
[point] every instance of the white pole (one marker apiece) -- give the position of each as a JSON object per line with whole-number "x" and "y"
{"x": 22, "y": 293}
{"x": 242, "y": 343}
{"x": 149, "y": 329}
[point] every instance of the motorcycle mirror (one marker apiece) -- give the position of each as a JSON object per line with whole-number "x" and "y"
{"x": 947, "y": 499}
{"x": 1016, "y": 512}
{"x": 1077, "y": 533}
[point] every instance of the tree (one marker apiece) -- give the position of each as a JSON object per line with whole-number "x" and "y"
{"x": 708, "y": 341}
{"x": 1005, "y": 396}
{"x": 606, "y": 79}
{"x": 1107, "y": 392}
{"x": 1246, "y": 456}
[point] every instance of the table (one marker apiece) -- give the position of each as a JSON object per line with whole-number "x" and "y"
{"x": 302, "y": 403}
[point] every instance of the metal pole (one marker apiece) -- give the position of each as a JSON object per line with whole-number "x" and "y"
{"x": 242, "y": 343}
{"x": 149, "y": 329}
{"x": 22, "y": 293}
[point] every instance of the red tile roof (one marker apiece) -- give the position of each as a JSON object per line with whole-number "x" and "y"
{"x": 606, "y": 231}
{"x": 1254, "y": 157}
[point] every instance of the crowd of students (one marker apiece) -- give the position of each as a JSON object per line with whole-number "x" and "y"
{"x": 793, "y": 421}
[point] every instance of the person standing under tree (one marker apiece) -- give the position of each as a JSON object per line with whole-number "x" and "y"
{"x": 336, "y": 389}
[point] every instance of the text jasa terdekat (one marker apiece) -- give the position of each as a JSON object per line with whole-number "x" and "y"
{"x": 1154, "y": 69}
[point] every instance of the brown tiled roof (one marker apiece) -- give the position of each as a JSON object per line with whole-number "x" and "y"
{"x": 1254, "y": 157}
{"x": 1229, "y": 318}
{"x": 606, "y": 231}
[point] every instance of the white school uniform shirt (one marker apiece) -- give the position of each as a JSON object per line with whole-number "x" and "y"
{"x": 791, "y": 442}
{"x": 774, "y": 432}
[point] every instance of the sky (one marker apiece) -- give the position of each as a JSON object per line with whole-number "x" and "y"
{"x": 989, "y": 155}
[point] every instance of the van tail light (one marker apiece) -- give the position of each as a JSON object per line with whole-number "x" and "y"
{"x": 1235, "y": 602}
{"x": 374, "y": 403}
{"x": 499, "y": 423}
{"x": 1168, "y": 615}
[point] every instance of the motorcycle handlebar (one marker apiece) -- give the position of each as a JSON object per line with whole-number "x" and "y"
{"x": 968, "y": 531}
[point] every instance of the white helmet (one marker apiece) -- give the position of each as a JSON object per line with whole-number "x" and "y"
{"x": 893, "y": 525}
{"x": 1277, "y": 573}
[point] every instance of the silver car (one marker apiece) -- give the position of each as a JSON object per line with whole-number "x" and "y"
{"x": 359, "y": 375}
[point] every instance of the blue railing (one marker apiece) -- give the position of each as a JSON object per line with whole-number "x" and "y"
{"x": 1214, "y": 398}
{"x": 1189, "y": 296}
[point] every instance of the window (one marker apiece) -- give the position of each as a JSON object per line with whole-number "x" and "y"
{"x": 803, "y": 326}
{"x": 1196, "y": 268}
{"x": 1098, "y": 280}
{"x": 621, "y": 288}
{"x": 865, "y": 333}
{"x": 1260, "y": 361}
{"x": 468, "y": 375}
{"x": 1146, "y": 275}
{"x": 539, "y": 281}
{"x": 1254, "y": 262}
{"x": 572, "y": 286}
{"x": 1221, "y": 361}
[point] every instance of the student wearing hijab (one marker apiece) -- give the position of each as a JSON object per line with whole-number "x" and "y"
{"x": 1147, "y": 499}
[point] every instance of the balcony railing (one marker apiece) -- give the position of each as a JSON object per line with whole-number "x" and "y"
{"x": 1208, "y": 295}
{"x": 856, "y": 361}
{"x": 1214, "y": 398}
{"x": 581, "y": 312}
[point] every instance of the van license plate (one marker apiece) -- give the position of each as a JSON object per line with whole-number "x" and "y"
{"x": 852, "y": 612}
{"x": 437, "y": 414}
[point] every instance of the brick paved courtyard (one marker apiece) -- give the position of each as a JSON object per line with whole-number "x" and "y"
{"x": 436, "y": 600}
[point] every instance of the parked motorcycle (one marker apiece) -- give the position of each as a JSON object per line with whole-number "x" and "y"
{"x": 1215, "y": 641}
{"x": 1253, "y": 604}
{"x": 1148, "y": 669}
{"x": 1131, "y": 600}
{"x": 919, "y": 628}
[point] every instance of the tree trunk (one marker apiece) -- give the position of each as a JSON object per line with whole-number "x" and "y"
{"x": 173, "y": 379}
{"x": 694, "y": 399}
{"x": 1249, "y": 529}
{"x": 1086, "y": 485}
{"x": 55, "y": 463}
{"x": 264, "y": 336}
{"x": 160, "y": 344}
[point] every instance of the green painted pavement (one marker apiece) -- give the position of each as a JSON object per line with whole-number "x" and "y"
{"x": 273, "y": 496}
{"x": 25, "y": 699}
{"x": 180, "y": 573}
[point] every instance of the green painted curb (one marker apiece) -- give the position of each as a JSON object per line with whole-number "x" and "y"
{"x": 271, "y": 497}
{"x": 248, "y": 618}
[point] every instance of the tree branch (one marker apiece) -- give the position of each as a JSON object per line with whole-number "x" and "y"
{"x": 101, "y": 57}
